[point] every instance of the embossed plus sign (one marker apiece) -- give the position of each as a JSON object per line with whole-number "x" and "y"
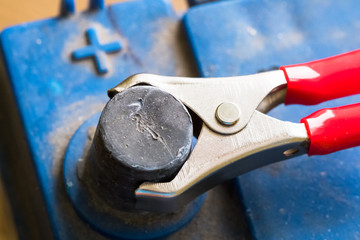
{"x": 97, "y": 51}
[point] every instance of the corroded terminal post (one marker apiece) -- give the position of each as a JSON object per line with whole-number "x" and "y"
{"x": 144, "y": 134}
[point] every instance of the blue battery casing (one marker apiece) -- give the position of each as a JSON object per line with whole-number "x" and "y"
{"x": 57, "y": 71}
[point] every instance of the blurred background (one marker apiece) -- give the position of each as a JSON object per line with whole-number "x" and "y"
{"x": 13, "y": 12}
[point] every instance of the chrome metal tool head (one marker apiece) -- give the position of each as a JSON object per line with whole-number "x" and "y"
{"x": 235, "y": 136}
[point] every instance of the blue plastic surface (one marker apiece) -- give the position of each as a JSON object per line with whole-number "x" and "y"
{"x": 197, "y": 2}
{"x": 68, "y": 6}
{"x": 97, "y": 4}
{"x": 55, "y": 93}
{"x": 97, "y": 51}
{"x": 59, "y": 81}
{"x": 303, "y": 198}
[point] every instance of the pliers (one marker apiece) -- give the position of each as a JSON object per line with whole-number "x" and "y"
{"x": 236, "y": 134}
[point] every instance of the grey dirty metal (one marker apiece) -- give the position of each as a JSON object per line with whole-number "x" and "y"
{"x": 203, "y": 99}
{"x": 144, "y": 134}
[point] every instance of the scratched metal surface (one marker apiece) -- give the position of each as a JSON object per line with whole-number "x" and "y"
{"x": 303, "y": 198}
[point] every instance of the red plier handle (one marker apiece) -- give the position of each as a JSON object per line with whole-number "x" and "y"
{"x": 330, "y": 129}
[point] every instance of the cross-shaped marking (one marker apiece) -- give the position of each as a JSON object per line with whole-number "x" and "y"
{"x": 97, "y": 51}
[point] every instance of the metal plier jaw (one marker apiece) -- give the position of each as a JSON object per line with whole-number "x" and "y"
{"x": 237, "y": 136}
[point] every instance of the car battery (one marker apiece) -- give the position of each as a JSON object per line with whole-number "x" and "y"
{"x": 55, "y": 75}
